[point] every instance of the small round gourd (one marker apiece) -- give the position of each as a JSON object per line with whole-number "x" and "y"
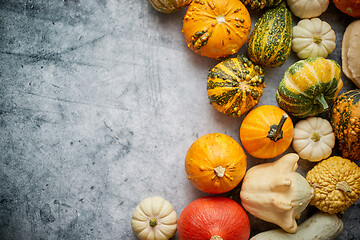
{"x": 313, "y": 139}
{"x": 313, "y": 38}
{"x": 266, "y": 131}
{"x": 349, "y": 7}
{"x": 309, "y": 87}
{"x": 336, "y": 182}
{"x": 215, "y": 163}
{"x": 169, "y": 6}
{"x": 235, "y": 85}
{"x": 154, "y": 219}
{"x": 308, "y": 8}
{"x": 217, "y": 28}
{"x": 261, "y": 4}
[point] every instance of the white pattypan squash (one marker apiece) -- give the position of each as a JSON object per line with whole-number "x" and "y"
{"x": 154, "y": 219}
{"x": 308, "y": 8}
{"x": 313, "y": 139}
{"x": 313, "y": 38}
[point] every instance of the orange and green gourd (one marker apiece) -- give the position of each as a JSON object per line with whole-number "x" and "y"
{"x": 269, "y": 44}
{"x": 235, "y": 85}
{"x": 345, "y": 120}
{"x": 261, "y": 4}
{"x": 309, "y": 87}
{"x": 169, "y": 6}
{"x": 216, "y": 28}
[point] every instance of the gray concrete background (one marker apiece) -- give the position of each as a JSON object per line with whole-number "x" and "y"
{"x": 100, "y": 101}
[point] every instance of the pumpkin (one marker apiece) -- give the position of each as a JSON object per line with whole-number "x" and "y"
{"x": 308, "y": 8}
{"x": 215, "y": 163}
{"x": 276, "y": 193}
{"x": 216, "y": 28}
{"x": 345, "y": 120}
{"x": 320, "y": 226}
{"x": 213, "y": 218}
{"x": 336, "y": 182}
{"x": 313, "y": 139}
{"x": 169, "y": 6}
{"x": 266, "y": 132}
{"x": 350, "y": 7}
{"x": 260, "y": 4}
{"x": 309, "y": 86}
{"x": 269, "y": 43}
{"x": 313, "y": 38}
{"x": 350, "y": 52}
{"x": 235, "y": 85}
{"x": 154, "y": 219}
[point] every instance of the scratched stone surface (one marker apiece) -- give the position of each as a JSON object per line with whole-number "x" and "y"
{"x": 100, "y": 101}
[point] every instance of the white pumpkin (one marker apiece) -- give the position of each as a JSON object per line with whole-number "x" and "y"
{"x": 313, "y": 38}
{"x": 308, "y": 8}
{"x": 154, "y": 219}
{"x": 313, "y": 139}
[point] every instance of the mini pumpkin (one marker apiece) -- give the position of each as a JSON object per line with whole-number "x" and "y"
{"x": 313, "y": 38}
{"x": 215, "y": 163}
{"x": 308, "y": 8}
{"x": 216, "y": 28}
{"x": 336, "y": 182}
{"x": 235, "y": 85}
{"x": 345, "y": 120}
{"x": 154, "y": 219}
{"x": 313, "y": 139}
{"x": 309, "y": 87}
{"x": 349, "y": 7}
{"x": 266, "y": 132}
{"x": 169, "y": 6}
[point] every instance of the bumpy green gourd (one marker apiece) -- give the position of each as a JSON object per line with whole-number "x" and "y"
{"x": 269, "y": 43}
{"x": 260, "y": 4}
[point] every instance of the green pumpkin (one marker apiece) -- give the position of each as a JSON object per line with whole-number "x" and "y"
{"x": 235, "y": 85}
{"x": 345, "y": 120}
{"x": 269, "y": 43}
{"x": 260, "y": 4}
{"x": 169, "y": 6}
{"x": 309, "y": 87}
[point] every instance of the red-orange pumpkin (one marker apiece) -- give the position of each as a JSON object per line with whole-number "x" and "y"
{"x": 213, "y": 218}
{"x": 350, "y": 7}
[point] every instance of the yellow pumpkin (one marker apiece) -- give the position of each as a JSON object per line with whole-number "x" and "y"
{"x": 216, "y": 28}
{"x": 215, "y": 163}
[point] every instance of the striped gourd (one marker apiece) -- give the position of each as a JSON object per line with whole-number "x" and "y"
{"x": 235, "y": 85}
{"x": 269, "y": 43}
{"x": 309, "y": 87}
{"x": 260, "y": 4}
{"x": 169, "y": 6}
{"x": 345, "y": 120}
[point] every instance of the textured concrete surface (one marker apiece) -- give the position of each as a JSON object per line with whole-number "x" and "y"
{"x": 100, "y": 101}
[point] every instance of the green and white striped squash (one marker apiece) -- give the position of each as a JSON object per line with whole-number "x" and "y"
{"x": 269, "y": 43}
{"x": 169, "y": 6}
{"x": 309, "y": 87}
{"x": 261, "y": 4}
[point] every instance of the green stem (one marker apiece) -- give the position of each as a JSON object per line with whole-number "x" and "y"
{"x": 275, "y": 133}
{"x": 216, "y": 237}
{"x": 153, "y": 222}
{"x": 321, "y": 99}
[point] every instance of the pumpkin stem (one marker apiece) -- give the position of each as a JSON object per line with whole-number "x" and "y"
{"x": 153, "y": 222}
{"x": 320, "y": 98}
{"x": 216, "y": 237}
{"x": 315, "y": 137}
{"x": 275, "y": 133}
{"x": 343, "y": 186}
{"x": 317, "y": 39}
{"x": 220, "y": 171}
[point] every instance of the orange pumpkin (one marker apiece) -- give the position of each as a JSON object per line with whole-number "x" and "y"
{"x": 350, "y": 7}
{"x": 266, "y": 132}
{"x": 215, "y": 163}
{"x": 216, "y": 28}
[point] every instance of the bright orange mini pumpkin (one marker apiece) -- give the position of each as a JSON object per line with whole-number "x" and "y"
{"x": 215, "y": 163}
{"x": 350, "y": 7}
{"x": 266, "y": 131}
{"x": 216, "y": 28}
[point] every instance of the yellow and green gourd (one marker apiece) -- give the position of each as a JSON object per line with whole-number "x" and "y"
{"x": 269, "y": 43}
{"x": 235, "y": 85}
{"x": 309, "y": 87}
{"x": 260, "y": 4}
{"x": 169, "y": 6}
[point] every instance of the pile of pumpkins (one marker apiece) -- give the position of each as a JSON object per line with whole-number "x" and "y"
{"x": 215, "y": 163}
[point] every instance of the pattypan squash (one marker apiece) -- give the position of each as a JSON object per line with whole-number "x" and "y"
{"x": 308, "y": 8}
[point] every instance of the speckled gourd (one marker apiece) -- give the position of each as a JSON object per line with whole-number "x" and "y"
{"x": 261, "y": 4}
{"x": 169, "y": 6}
{"x": 235, "y": 85}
